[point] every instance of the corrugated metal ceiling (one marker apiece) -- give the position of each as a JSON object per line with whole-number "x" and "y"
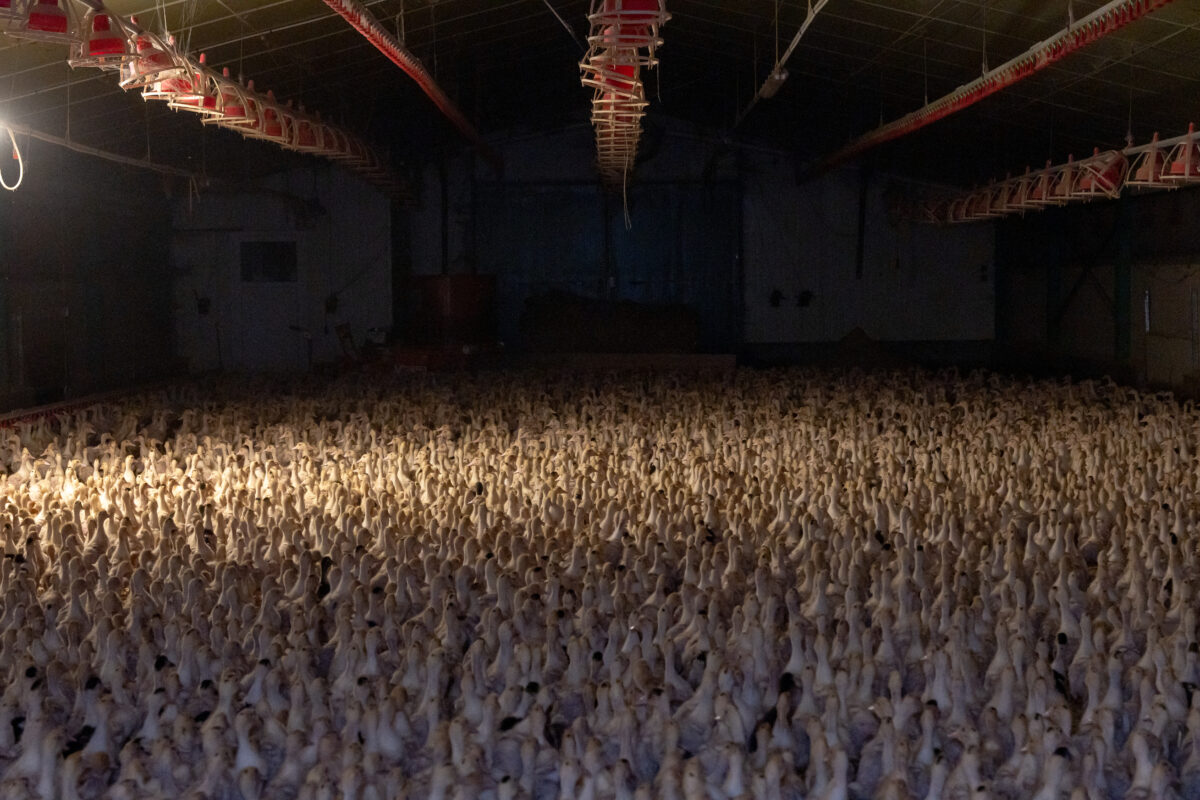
{"x": 510, "y": 64}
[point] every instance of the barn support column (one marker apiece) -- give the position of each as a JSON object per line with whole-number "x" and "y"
{"x": 401, "y": 220}
{"x": 1054, "y": 286}
{"x": 864, "y": 188}
{"x": 1123, "y": 286}
{"x": 444, "y": 181}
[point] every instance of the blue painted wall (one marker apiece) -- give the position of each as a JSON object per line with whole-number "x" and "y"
{"x": 726, "y": 229}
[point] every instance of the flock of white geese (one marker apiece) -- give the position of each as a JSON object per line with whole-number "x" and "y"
{"x": 760, "y": 585}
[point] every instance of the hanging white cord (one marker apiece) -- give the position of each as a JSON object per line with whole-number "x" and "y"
{"x": 20, "y": 162}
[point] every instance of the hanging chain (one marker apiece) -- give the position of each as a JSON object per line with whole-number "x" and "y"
{"x": 925, "y": 65}
{"x": 1129, "y": 128}
{"x": 985, "y": 33}
{"x": 776, "y": 33}
{"x": 434, "y": 41}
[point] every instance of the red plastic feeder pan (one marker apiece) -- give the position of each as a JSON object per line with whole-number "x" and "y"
{"x": 150, "y": 63}
{"x": 47, "y": 21}
{"x": 48, "y": 17}
{"x": 103, "y": 41}
{"x": 632, "y": 17}
{"x": 610, "y": 78}
{"x": 627, "y": 24}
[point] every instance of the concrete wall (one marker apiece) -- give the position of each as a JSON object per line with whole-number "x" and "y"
{"x": 915, "y": 282}
{"x": 795, "y": 270}
{"x": 1075, "y": 283}
{"x": 342, "y": 231}
{"x": 1166, "y": 322}
{"x": 85, "y": 302}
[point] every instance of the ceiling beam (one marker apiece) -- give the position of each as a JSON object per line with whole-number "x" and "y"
{"x": 365, "y": 23}
{"x": 140, "y": 163}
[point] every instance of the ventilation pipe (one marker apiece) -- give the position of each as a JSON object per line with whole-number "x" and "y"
{"x": 779, "y": 73}
{"x": 365, "y": 23}
{"x": 1105, "y": 20}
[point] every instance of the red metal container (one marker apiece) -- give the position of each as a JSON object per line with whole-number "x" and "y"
{"x": 451, "y": 309}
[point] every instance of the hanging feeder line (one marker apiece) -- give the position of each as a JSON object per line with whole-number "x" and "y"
{"x": 158, "y": 67}
{"x": 1105, "y": 20}
{"x": 1159, "y": 164}
{"x": 365, "y": 23}
{"x": 623, "y": 41}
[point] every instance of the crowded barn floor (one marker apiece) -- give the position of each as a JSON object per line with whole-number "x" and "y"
{"x": 774, "y": 584}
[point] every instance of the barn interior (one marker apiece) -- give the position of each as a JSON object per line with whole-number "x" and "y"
{"x": 599, "y": 398}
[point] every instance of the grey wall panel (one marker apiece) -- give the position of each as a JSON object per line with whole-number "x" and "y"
{"x": 342, "y": 231}
{"x": 918, "y": 283}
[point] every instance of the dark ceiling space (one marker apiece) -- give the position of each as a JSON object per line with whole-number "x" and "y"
{"x": 510, "y": 65}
